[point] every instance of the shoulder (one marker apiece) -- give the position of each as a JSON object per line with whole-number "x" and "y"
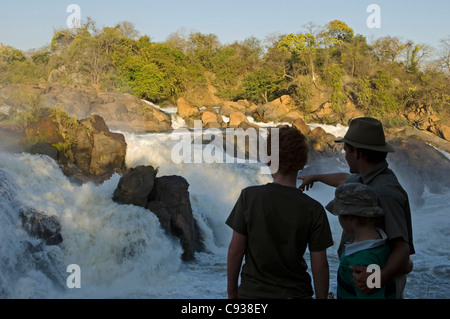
{"x": 387, "y": 184}
{"x": 311, "y": 202}
{"x": 254, "y": 190}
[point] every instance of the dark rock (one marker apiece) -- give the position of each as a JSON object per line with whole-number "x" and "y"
{"x": 322, "y": 145}
{"x": 419, "y": 166}
{"x": 135, "y": 186}
{"x": 169, "y": 200}
{"x": 40, "y": 225}
{"x": 45, "y": 149}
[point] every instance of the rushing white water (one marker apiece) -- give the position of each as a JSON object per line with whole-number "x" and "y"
{"x": 122, "y": 250}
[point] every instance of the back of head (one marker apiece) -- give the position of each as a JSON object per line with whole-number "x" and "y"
{"x": 355, "y": 199}
{"x": 367, "y": 133}
{"x": 293, "y": 149}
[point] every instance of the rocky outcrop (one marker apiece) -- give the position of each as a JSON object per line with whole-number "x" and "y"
{"x": 425, "y": 118}
{"x": 40, "y": 225}
{"x": 86, "y": 149}
{"x": 236, "y": 119}
{"x": 321, "y": 143}
{"x": 282, "y": 109}
{"x": 135, "y": 186}
{"x": 121, "y": 111}
{"x": 418, "y": 165}
{"x": 168, "y": 198}
{"x": 185, "y": 109}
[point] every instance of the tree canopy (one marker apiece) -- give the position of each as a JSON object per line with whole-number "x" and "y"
{"x": 380, "y": 77}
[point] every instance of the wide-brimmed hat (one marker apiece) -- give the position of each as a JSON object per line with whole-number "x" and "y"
{"x": 366, "y": 132}
{"x": 355, "y": 199}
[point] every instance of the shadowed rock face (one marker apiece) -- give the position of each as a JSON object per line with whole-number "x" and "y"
{"x": 135, "y": 186}
{"x": 86, "y": 150}
{"x": 121, "y": 111}
{"x": 40, "y": 225}
{"x": 168, "y": 198}
{"x": 419, "y": 166}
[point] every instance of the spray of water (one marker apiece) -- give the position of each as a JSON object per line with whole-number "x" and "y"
{"x": 122, "y": 250}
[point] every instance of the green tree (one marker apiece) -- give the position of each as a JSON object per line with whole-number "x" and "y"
{"x": 263, "y": 85}
{"x": 232, "y": 63}
{"x": 302, "y": 47}
{"x": 202, "y": 46}
{"x": 356, "y": 57}
{"x": 377, "y": 96}
{"x": 415, "y": 53}
{"x": 336, "y": 32}
{"x": 334, "y": 78}
{"x": 389, "y": 49}
{"x": 153, "y": 71}
{"x": 14, "y": 66}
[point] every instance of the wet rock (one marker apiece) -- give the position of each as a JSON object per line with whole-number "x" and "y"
{"x": 169, "y": 200}
{"x": 135, "y": 186}
{"x": 40, "y": 225}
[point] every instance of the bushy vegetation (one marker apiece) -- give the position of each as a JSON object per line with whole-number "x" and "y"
{"x": 382, "y": 78}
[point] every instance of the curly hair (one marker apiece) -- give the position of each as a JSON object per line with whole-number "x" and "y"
{"x": 293, "y": 149}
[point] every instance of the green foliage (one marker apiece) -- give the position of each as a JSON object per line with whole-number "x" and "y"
{"x": 383, "y": 79}
{"x": 301, "y": 94}
{"x": 10, "y": 55}
{"x": 14, "y": 66}
{"x": 153, "y": 71}
{"x": 334, "y": 79}
{"x": 302, "y": 47}
{"x": 262, "y": 85}
{"x": 377, "y": 96}
{"x": 231, "y": 64}
{"x": 336, "y": 32}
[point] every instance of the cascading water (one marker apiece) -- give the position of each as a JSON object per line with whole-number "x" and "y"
{"x": 122, "y": 250}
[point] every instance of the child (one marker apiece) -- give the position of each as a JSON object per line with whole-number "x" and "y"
{"x": 273, "y": 225}
{"x": 357, "y": 207}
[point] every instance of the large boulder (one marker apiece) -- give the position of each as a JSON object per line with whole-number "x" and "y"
{"x": 185, "y": 110}
{"x": 121, "y": 111}
{"x": 168, "y": 198}
{"x": 419, "y": 166}
{"x": 40, "y": 225}
{"x": 236, "y": 119}
{"x": 278, "y": 110}
{"x": 87, "y": 150}
{"x": 135, "y": 186}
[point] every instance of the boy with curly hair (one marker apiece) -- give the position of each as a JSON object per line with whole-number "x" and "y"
{"x": 273, "y": 225}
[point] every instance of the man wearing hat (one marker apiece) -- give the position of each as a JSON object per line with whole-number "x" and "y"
{"x": 356, "y": 206}
{"x": 365, "y": 152}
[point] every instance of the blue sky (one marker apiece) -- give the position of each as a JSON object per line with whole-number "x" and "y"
{"x": 30, "y": 24}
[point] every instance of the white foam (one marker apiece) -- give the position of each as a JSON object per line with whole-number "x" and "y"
{"x": 124, "y": 253}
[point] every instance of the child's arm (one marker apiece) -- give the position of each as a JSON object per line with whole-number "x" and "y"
{"x": 320, "y": 272}
{"x": 236, "y": 251}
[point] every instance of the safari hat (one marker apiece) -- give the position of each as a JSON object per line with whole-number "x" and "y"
{"x": 366, "y": 132}
{"x": 355, "y": 199}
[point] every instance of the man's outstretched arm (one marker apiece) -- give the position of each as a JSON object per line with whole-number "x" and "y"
{"x": 332, "y": 179}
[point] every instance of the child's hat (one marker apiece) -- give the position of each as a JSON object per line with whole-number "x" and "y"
{"x": 355, "y": 199}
